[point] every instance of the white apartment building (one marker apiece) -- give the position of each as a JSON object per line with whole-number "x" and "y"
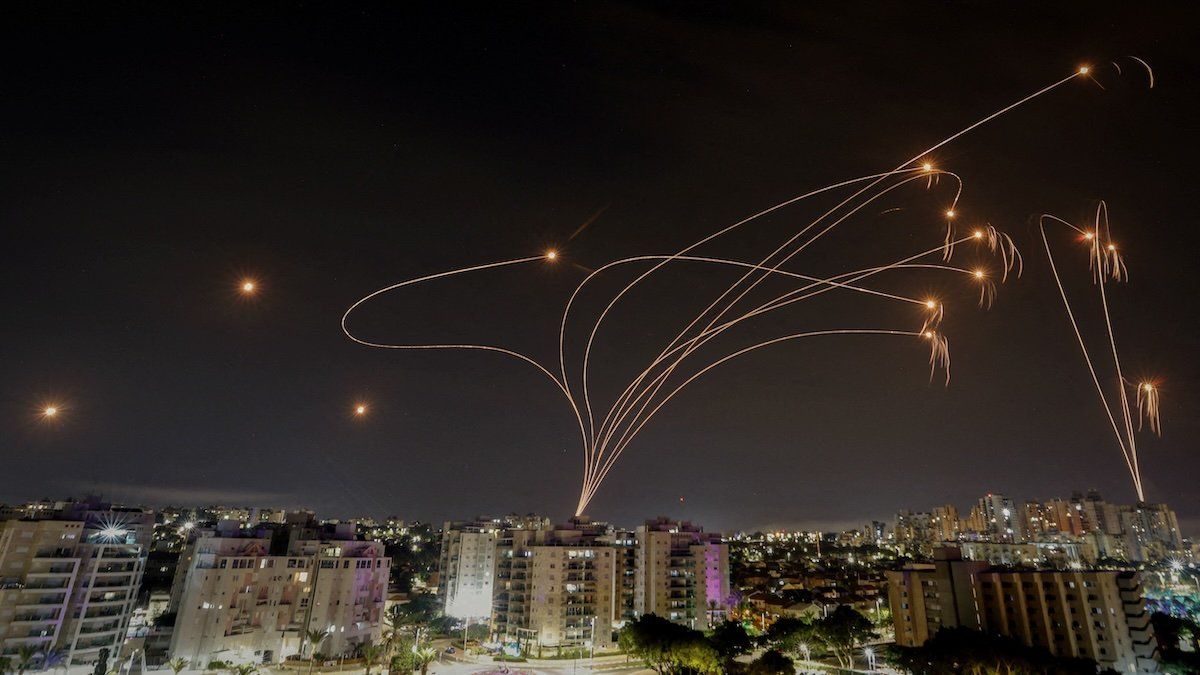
{"x": 236, "y": 602}
{"x": 682, "y": 573}
{"x": 575, "y": 586}
{"x": 69, "y": 579}
{"x": 467, "y": 569}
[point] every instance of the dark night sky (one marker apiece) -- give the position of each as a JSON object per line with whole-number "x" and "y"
{"x": 154, "y": 154}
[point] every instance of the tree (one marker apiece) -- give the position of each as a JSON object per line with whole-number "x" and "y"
{"x": 27, "y": 655}
{"x": 101, "y": 667}
{"x": 177, "y": 665}
{"x": 962, "y": 651}
{"x": 243, "y": 669}
{"x": 772, "y": 662}
{"x": 842, "y": 632}
{"x": 788, "y": 634}
{"x": 53, "y": 659}
{"x": 372, "y": 653}
{"x": 669, "y": 648}
{"x": 314, "y": 638}
{"x": 422, "y": 657}
{"x": 730, "y": 639}
{"x": 5, "y": 664}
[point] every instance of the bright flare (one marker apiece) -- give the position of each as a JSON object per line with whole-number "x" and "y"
{"x": 978, "y": 234}
{"x": 930, "y": 304}
{"x": 360, "y": 409}
{"x": 978, "y": 274}
{"x": 950, "y": 213}
{"x": 551, "y": 255}
{"x": 248, "y": 286}
{"x": 1083, "y": 70}
{"x": 50, "y": 411}
{"x": 927, "y": 167}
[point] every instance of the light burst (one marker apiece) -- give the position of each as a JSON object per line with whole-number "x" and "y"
{"x": 1107, "y": 266}
{"x": 607, "y": 428}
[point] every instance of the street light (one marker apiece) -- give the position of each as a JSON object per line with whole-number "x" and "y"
{"x": 870, "y": 654}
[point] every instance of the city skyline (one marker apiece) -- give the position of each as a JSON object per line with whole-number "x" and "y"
{"x": 194, "y": 210}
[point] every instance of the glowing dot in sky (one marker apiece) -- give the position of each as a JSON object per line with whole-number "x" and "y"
{"x": 930, "y": 304}
{"x": 551, "y": 255}
{"x": 927, "y": 166}
{"x": 978, "y": 274}
{"x": 360, "y": 409}
{"x": 1083, "y": 70}
{"x": 950, "y": 213}
{"x": 248, "y": 286}
{"x": 978, "y": 234}
{"x": 50, "y": 411}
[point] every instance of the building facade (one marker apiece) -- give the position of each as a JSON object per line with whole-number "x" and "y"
{"x": 238, "y": 602}
{"x": 69, "y": 578}
{"x": 1097, "y": 615}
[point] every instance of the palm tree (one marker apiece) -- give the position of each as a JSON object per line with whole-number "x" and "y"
{"x": 54, "y": 659}
{"x": 371, "y": 653}
{"x": 26, "y": 656}
{"x": 422, "y": 657}
{"x": 177, "y": 665}
{"x": 314, "y": 638}
{"x": 5, "y": 664}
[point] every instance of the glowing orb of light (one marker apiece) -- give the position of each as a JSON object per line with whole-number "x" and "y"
{"x": 551, "y": 255}
{"x": 50, "y": 411}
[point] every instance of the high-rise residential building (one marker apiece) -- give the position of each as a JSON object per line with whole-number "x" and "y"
{"x": 925, "y": 597}
{"x": 913, "y": 533}
{"x": 944, "y": 523}
{"x": 1060, "y": 516}
{"x": 575, "y": 585}
{"x": 245, "y": 596}
{"x": 1098, "y": 615}
{"x": 1001, "y": 521}
{"x": 1151, "y": 531}
{"x": 558, "y": 588}
{"x": 467, "y": 568}
{"x": 682, "y": 573}
{"x": 69, "y": 578}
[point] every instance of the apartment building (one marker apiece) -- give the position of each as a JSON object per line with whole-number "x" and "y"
{"x": 467, "y": 568}
{"x": 1098, "y": 615}
{"x": 1093, "y": 615}
{"x": 559, "y": 588}
{"x": 681, "y": 573}
{"x": 238, "y": 600}
{"x": 69, "y": 578}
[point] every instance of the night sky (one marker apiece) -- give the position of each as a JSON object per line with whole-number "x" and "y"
{"x": 154, "y": 155}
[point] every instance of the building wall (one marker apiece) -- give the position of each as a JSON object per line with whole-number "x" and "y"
{"x": 238, "y": 603}
{"x": 1098, "y": 615}
{"x": 66, "y": 586}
